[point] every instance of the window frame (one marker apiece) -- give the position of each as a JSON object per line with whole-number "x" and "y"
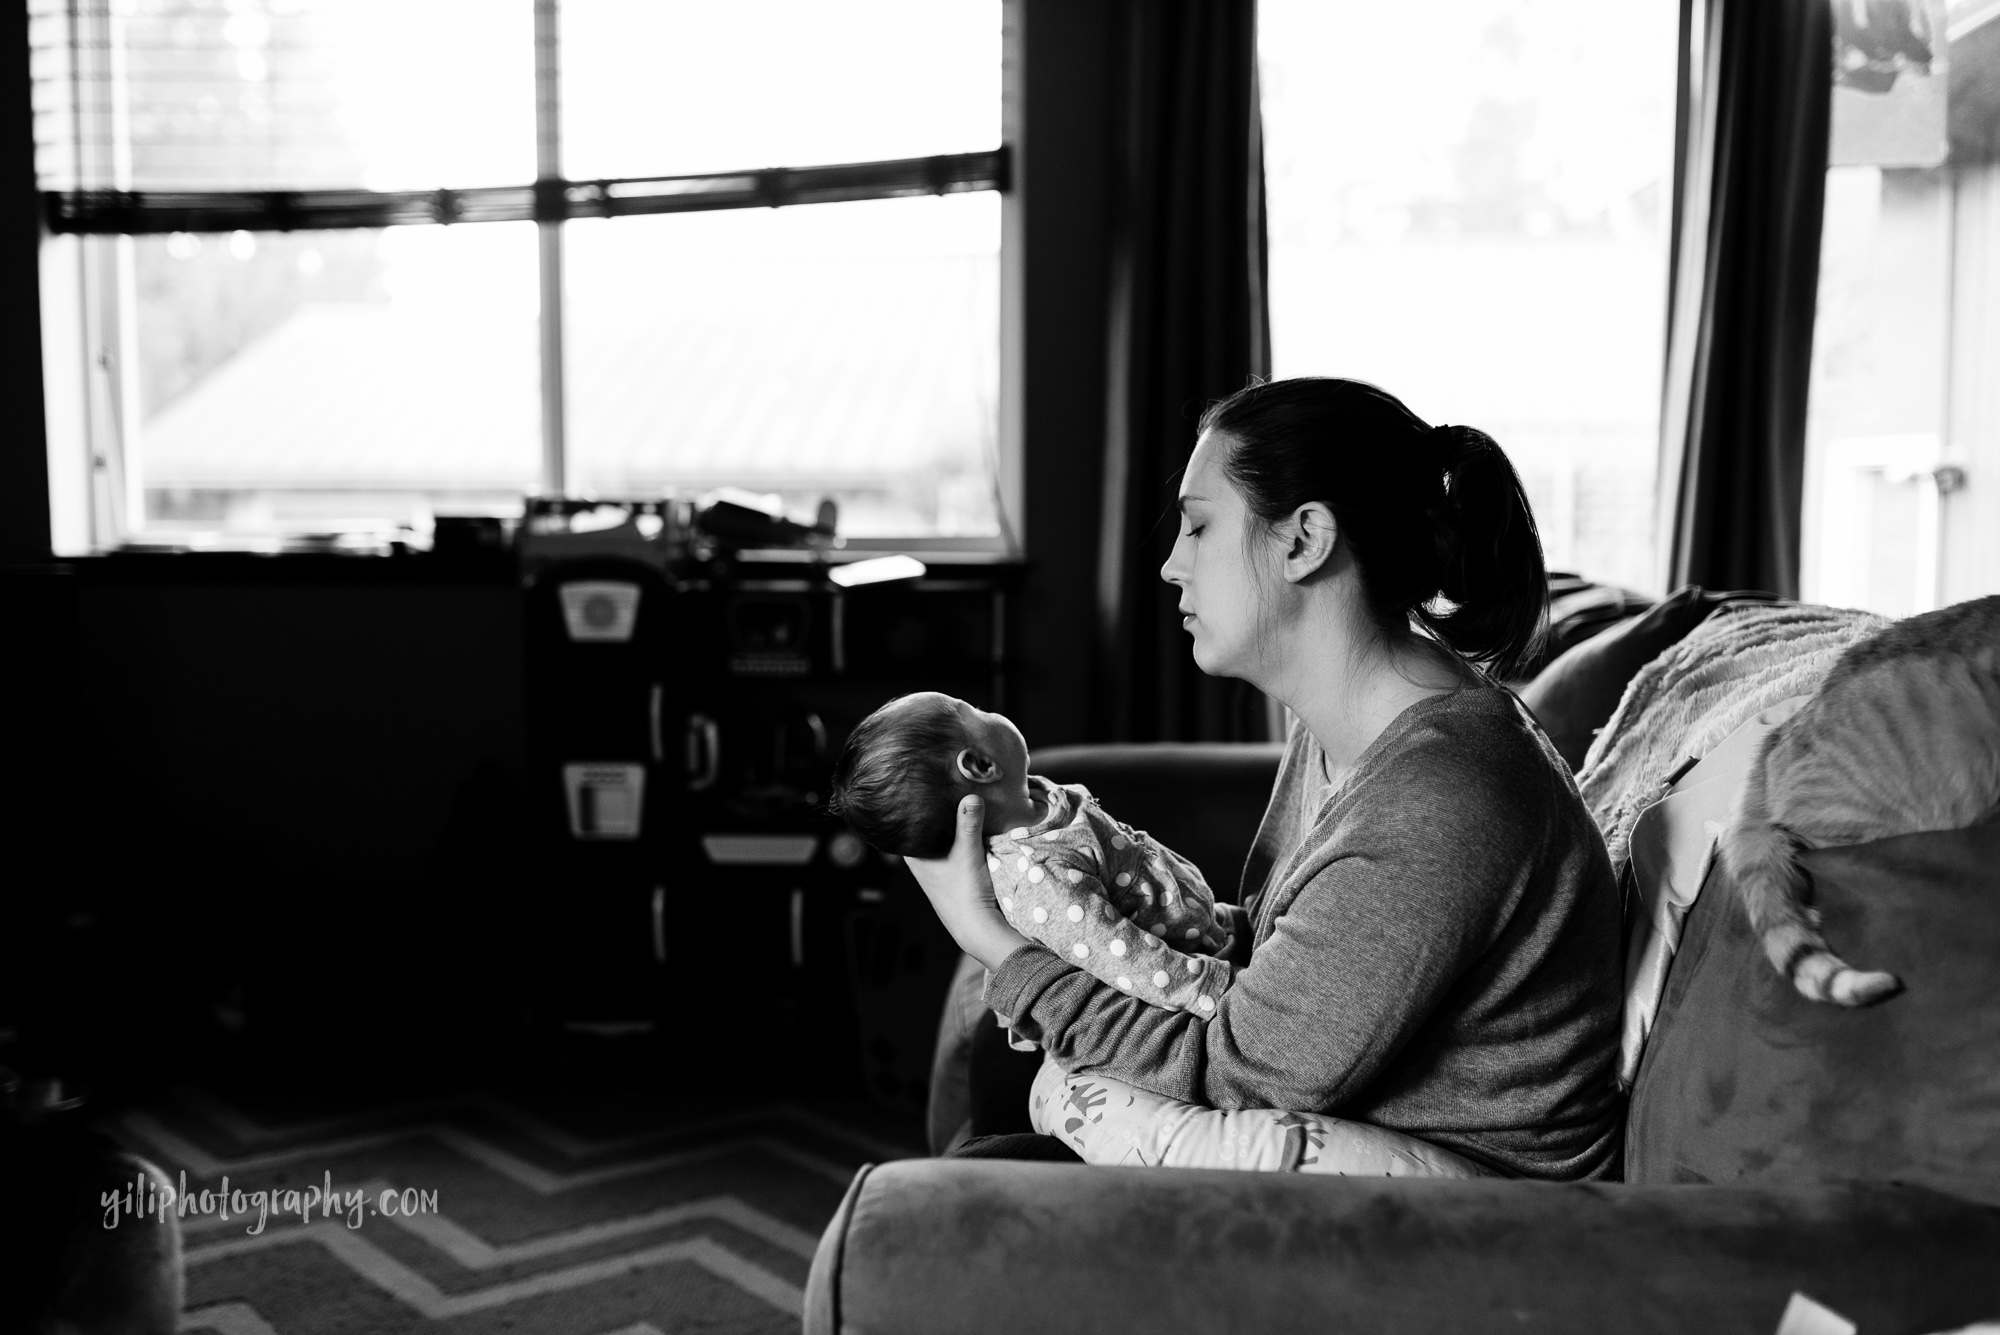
{"x": 87, "y": 252}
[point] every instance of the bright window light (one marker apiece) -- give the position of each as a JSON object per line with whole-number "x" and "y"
{"x": 1470, "y": 209}
{"x": 879, "y": 570}
{"x": 266, "y": 382}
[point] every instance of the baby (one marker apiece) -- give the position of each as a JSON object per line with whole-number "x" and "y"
{"x": 1095, "y": 891}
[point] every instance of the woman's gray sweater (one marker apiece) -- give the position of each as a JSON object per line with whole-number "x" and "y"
{"x": 1435, "y": 949}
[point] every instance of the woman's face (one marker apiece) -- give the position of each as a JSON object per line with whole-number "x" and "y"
{"x": 1223, "y": 593}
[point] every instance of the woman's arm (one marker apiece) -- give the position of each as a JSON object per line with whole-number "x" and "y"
{"x": 1412, "y": 890}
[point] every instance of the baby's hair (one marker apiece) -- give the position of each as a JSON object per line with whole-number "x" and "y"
{"x": 895, "y": 783}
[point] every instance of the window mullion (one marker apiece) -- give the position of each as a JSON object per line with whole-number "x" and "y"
{"x": 548, "y": 172}
{"x": 104, "y": 155}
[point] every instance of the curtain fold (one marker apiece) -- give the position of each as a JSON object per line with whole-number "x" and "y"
{"x": 1188, "y": 325}
{"x": 1749, "y": 190}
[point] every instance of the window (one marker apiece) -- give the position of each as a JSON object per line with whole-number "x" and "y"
{"x": 1903, "y": 423}
{"x": 256, "y": 326}
{"x": 1469, "y": 206}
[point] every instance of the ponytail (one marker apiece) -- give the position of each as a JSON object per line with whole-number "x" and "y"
{"x": 1489, "y": 556}
{"x": 1435, "y": 517}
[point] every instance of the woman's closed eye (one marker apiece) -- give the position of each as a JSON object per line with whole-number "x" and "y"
{"x": 1193, "y": 530}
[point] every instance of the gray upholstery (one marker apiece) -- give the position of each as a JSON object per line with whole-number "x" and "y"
{"x": 934, "y": 1246}
{"x": 959, "y": 1245}
{"x": 1746, "y": 1082}
{"x": 1201, "y": 799}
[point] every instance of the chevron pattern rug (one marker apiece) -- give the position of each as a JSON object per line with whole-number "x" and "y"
{"x": 613, "y": 1215}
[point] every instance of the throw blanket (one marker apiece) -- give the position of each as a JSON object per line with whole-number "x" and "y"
{"x": 1732, "y": 667}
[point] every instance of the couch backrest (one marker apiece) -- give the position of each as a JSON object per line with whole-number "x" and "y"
{"x": 1202, "y": 799}
{"x": 1745, "y": 1081}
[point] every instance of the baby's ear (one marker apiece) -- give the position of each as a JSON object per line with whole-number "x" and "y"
{"x": 977, "y": 767}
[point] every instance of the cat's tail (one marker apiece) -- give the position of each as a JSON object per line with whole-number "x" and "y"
{"x": 1761, "y": 858}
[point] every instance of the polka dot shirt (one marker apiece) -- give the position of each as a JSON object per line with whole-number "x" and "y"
{"x": 1111, "y": 900}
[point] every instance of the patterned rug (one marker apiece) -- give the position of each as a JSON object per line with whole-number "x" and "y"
{"x": 530, "y": 1214}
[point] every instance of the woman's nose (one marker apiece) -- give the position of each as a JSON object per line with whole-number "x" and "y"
{"x": 1173, "y": 572}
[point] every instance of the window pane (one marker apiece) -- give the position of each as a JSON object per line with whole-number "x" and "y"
{"x": 1480, "y": 227}
{"x": 305, "y": 381}
{"x": 381, "y": 94}
{"x": 667, "y": 87}
{"x": 845, "y": 350}
{"x": 1907, "y": 330}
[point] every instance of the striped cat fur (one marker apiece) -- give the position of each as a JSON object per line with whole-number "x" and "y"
{"x": 1903, "y": 735}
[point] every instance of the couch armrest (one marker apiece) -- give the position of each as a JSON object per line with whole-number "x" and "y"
{"x": 954, "y": 1245}
{"x": 1201, "y": 799}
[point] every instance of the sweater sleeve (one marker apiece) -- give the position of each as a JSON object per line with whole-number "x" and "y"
{"x": 1400, "y": 900}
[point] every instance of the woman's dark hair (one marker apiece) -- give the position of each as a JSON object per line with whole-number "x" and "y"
{"x": 1434, "y": 516}
{"x": 895, "y": 783}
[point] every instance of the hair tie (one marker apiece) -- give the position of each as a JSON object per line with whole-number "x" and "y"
{"x": 1444, "y": 448}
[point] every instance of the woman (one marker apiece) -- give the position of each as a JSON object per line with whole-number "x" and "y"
{"x": 1433, "y": 937}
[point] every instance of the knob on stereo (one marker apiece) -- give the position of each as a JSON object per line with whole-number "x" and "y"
{"x": 601, "y": 611}
{"x": 846, "y": 849}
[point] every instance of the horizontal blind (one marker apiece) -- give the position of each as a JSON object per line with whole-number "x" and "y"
{"x": 217, "y": 115}
{"x": 281, "y": 94}
{"x": 138, "y": 212}
{"x": 165, "y": 94}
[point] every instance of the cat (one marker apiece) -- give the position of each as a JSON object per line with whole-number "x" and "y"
{"x": 1902, "y": 735}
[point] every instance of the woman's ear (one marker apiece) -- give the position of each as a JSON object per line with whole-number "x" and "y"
{"x": 977, "y": 766}
{"x": 1308, "y": 535}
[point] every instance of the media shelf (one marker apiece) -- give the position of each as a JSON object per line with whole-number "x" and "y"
{"x": 684, "y": 726}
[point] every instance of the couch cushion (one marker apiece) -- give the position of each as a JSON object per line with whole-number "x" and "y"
{"x": 1573, "y": 697}
{"x": 1673, "y": 849}
{"x": 934, "y": 1246}
{"x": 1746, "y": 1081}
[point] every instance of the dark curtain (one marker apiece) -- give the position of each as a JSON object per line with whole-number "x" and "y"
{"x": 1187, "y": 326}
{"x": 1750, "y": 185}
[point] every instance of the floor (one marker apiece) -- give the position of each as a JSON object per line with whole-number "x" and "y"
{"x": 530, "y": 1211}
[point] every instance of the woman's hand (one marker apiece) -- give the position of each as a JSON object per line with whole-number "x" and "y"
{"x": 962, "y": 893}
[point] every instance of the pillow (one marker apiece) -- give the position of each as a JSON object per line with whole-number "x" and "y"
{"x": 1573, "y": 697}
{"x": 1579, "y": 609}
{"x": 1744, "y": 1081}
{"x": 1673, "y": 850}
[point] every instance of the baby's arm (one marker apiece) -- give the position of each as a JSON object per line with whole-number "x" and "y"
{"x": 1051, "y": 899}
{"x": 1166, "y": 895}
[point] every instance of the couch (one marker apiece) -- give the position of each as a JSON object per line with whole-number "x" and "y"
{"x": 1772, "y": 1147}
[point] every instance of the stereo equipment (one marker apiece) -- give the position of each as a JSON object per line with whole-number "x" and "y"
{"x": 685, "y": 719}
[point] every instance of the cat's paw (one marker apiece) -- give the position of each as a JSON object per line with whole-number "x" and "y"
{"x": 1844, "y": 986}
{"x": 1858, "y": 987}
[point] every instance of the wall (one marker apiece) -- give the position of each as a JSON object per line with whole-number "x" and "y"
{"x": 24, "y": 477}
{"x": 264, "y": 801}
{"x": 315, "y": 735}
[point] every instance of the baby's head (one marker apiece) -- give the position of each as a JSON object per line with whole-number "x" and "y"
{"x": 907, "y": 765}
